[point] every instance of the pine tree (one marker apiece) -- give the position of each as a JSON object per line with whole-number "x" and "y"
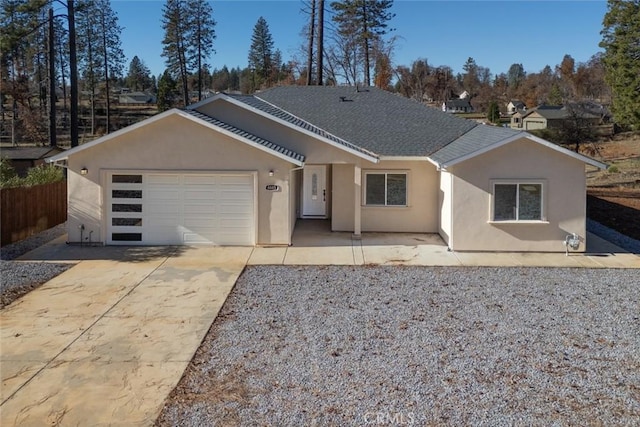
{"x": 494, "y": 112}
{"x": 366, "y": 21}
{"x": 99, "y": 50}
{"x": 621, "y": 42}
{"x": 201, "y": 35}
{"x": 167, "y": 88}
{"x": 188, "y": 41}
{"x": 138, "y": 77}
{"x": 175, "y": 24}
{"x": 261, "y": 54}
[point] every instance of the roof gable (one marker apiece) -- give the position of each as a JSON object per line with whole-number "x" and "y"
{"x": 483, "y": 139}
{"x": 217, "y": 125}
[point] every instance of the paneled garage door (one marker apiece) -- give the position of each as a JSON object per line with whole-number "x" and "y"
{"x": 180, "y": 209}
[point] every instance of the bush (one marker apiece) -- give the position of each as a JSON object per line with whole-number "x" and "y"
{"x": 44, "y": 174}
{"x": 613, "y": 169}
{"x": 7, "y": 172}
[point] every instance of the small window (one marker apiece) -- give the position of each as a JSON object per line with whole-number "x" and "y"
{"x": 126, "y": 237}
{"x": 385, "y": 189}
{"x": 519, "y": 201}
{"x": 126, "y": 222}
{"x": 126, "y": 194}
{"x": 127, "y": 179}
{"x": 123, "y": 207}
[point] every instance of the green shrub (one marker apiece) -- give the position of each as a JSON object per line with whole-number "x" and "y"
{"x": 613, "y": 169}
{"x": 44, "y": 174}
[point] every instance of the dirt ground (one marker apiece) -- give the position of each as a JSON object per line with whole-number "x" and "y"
{"x": 614, "y": 195}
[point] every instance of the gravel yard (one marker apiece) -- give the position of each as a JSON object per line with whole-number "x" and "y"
{"x": 18, "y": 278}
{"x": 422, "y": 346}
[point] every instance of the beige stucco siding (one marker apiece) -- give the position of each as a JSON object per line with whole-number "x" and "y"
{"x": 315, "y": 151}
{"x": 421, "y": 214}
{"x": 177, "y": 144}
{"x": 563, "y": 196}
{"x": 445, "y": 200}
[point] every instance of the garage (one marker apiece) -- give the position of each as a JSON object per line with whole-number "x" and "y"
{"x": 180, "y": 208}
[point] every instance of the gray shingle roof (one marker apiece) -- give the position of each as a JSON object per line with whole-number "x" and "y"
{"x": 274, "y": 111}
{"x": 370, "y": 118}
{"x": 28, "y": 153}
{"x": 476, "y": 139}
{"x": 268, "y": 144}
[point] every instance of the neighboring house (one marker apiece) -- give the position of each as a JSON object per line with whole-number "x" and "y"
{"x": 24, "y": 158}
{"x": 515, "y": 106}
{"x": 136, "y": 98}
{"x": 241, "y": 169}
{"x": 552, "y": 117}
{"x": 461, "y": 105}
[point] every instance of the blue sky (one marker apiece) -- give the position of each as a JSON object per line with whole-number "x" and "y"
{"x": 495, "y": 33}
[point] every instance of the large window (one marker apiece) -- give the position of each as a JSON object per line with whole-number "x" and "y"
{"x": 385, "y": 189}
{"x": 518, "y": 201}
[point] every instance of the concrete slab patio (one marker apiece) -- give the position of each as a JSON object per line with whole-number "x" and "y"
{"x": 106, "y": 341}
{"x": 315, "y": 244}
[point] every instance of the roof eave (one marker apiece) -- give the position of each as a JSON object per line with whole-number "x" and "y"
{"x": 578, "y": 156}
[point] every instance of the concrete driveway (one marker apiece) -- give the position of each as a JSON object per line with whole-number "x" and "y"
{"x": 106, "y": 341}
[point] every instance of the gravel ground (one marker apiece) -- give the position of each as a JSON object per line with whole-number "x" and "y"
{"x": 424, "y": 346}
{"x": 18, "y": 278}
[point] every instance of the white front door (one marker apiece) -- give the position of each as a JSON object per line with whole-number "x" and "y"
{"x": 314, "y": 194}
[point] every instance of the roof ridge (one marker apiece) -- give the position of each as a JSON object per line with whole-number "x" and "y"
{"x": 316, "y": 129}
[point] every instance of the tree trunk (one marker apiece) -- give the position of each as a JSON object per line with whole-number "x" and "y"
{"x": 106, "y": 73}
{"x": 52, "y": 83}
{"x": 63, "y": 78}
{"x": 92, "y": 82}
{"x": 312, "y": 22}
{"x": 73, "y": 79}
{"x": 365, "y": 35}
{"x": 320, "y": 49}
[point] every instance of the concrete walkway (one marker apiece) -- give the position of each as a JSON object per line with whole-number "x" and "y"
{"x": 315, "y": 244}
{"x": 105, "y": 342}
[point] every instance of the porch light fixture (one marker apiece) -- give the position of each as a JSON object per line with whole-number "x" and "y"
{"x": 271, "y": 173}
{"x": 84, "y": 171}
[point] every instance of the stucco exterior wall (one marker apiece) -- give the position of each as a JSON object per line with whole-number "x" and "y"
{"x": 176, "y": 144}
{"x": 444, "y": 199}
{"x": 342, "y": 198}
{"x": 563, "y": 196}
{"x": 420, "y": 216}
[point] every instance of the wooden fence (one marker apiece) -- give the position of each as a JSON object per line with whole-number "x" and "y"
{"x": 26, "y": 211}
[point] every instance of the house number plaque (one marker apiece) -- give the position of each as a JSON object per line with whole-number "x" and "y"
{"x": 272, "y": 187}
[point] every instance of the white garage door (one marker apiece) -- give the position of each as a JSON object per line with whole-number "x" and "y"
{"x": 180, "y": 208}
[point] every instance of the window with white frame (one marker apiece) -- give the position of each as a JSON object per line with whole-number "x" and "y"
{"x": 385, "y": 189}
{"x": 518, "y": 201}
